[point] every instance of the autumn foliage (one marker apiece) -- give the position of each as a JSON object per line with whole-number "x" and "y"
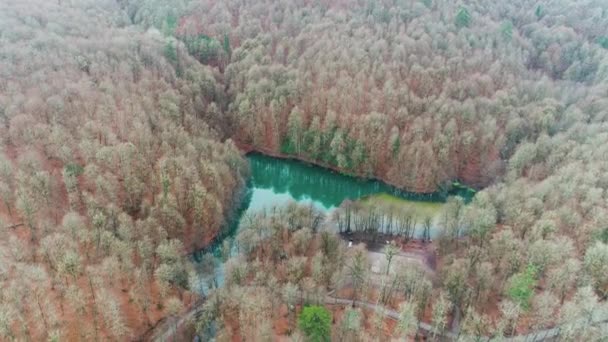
{"x": 119, "y": 126}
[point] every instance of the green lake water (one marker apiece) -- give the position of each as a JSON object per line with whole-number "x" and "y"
{"x": 275, "y": 182}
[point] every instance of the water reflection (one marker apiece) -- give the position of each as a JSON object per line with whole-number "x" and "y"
{"x": 303, "y": 182}
{"x": 275, "y": 182}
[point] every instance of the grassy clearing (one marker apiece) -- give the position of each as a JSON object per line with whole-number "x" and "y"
{"x": 420, "y": 208}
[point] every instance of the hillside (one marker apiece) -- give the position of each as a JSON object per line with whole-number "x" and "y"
{"x": 119, "y": 127}
{"x": 108, "y": 171}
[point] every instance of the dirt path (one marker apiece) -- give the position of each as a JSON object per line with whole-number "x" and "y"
{"x": 427, "y": 330}
{"x": 165, "y": 329}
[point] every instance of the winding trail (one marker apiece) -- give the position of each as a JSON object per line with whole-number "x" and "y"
{"x": 164, "y": 331}
{"x": 426, "y": 329}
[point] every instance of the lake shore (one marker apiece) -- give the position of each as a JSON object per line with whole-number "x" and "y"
{"x": 248, "y": 148}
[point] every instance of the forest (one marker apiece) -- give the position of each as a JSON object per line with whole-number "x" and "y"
{"x": 123, "y": 130}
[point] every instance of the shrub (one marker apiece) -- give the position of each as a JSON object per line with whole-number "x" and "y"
{"x": 315, "y": 322}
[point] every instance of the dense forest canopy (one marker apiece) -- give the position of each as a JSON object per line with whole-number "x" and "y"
{"x": 109, "y": 164}
{"x": 119, "y": 127}
{"x": 375, "y": 88}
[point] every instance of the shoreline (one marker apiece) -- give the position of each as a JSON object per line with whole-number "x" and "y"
{"x": 241, "y": 198}
{"x": 412, "y": 194}
{"x": 248, "y": 148}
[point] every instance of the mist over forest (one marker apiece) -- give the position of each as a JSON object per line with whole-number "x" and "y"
{"x": 124, "y": 132}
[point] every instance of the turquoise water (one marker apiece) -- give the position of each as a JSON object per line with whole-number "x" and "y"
{"x": 275, "y": 182}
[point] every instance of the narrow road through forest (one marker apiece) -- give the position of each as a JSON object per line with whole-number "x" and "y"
{"x": 164, "y": 331}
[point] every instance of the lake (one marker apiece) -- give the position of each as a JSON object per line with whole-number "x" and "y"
{"x": 276, "y": 181}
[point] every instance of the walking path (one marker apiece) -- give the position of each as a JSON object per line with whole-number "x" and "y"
{"x": 164, "y": 331}
{"x": 427, "y": 329}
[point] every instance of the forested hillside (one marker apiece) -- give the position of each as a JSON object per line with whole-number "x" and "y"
{"x": 109, "y": 172}
{"x": 445, "y": 90}
{"x": 119, "y": 127}
{"x": 511, "y": 96}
